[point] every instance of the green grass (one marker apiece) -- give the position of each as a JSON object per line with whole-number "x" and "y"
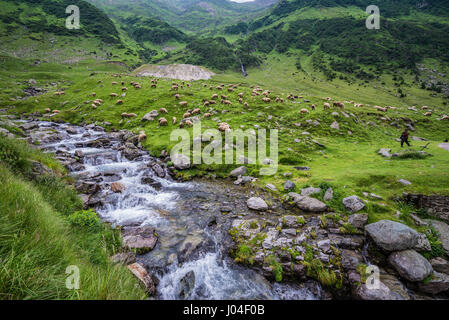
{"x": 40, "y": 236}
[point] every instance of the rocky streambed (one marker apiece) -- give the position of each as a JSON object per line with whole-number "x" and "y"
{"x": 178, "y": 229}
{"x": 188, "y": 236}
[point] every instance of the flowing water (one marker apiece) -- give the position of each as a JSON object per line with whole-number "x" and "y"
{"x": 191, "y": 218}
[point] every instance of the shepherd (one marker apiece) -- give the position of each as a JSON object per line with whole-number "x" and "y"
{"x": 404, "y": 138}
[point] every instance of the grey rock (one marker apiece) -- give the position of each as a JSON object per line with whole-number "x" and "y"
{"x": 353, "y": 203}
{"x": 257, "y": 203}
{"x": 329, "y": 194}
{"x": 423, "y": 243}
{"x": 443, "y": 233}
{"x": 358, "y": 220}
{"x": 289, "y": 185}
{"x": 437, "y": 284}
{"x": 392, "y": 236}
{"x": 384, "y": 152}
{"x": 180, "y": 161}
{"x": 150, "y": 116}
{"x": 362, "y": 292}
{"x": 307, "y": 203}
{"x": 404, "y": 182}
{"x": 186, "y": 285}
{"x": 140, "y": 239}
{"x": 240, "y": 171}
{"x": 410, "y": 265}
{"x": 309, "y": 191}
{"x": 351, "y": 259}
{"x": 324, "y": 245}
{"x": 440, "y": 265}
{"x": 335, "y": 125}
{"x": 271, "y": 187}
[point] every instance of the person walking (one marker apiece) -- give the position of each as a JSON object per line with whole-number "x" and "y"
{"x": 404, "y": 138}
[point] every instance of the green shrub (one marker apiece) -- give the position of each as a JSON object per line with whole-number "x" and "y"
{"x": 85, "y": 219}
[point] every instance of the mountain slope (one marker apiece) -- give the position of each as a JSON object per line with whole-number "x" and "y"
{"x": 37, "y": 30}
{"x": 187, "y": 15}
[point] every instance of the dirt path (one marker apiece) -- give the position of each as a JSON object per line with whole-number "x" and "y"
{"x": 444, "y": 146}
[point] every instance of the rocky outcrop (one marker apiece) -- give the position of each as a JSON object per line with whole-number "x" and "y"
{"x": 392, "y": 236}
{"x": 435, "y": 205}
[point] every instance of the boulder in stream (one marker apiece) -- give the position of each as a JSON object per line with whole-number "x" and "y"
{"x": 140, "y": 239}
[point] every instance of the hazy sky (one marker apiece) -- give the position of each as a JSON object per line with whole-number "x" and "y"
{"x": 240, "y": 1}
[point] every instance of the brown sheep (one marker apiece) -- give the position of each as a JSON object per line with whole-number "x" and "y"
{"x": 219, "y": 88}
{"x": 113, "y": 95}
{"x": 206, "y": 103}
{"x": 266, "y": 100}
{"x": 188, "y": 123}
{"x": 224, "y": 97}
{"x": 304, "y": 111}
{"x": 224, "y": 127}
{"x": 114, "y": 83}
{"x": 124, "y": 89}
{"x": 246, "y": 104}
{"x": 425, "y": 108}
{"x": 153, "y": 85}
{"x": 381, "y": 109}
{"x": 445, "y": 117}
{"x": 174, "y": 87}
{"x": 56, "y": 111}
{"x": 47, "y": 110}
{"x": 230, "y": 90}
{"x": 163, "y": 110}
{"x": 196, "y": 111}
{"x": 240, "y": 100}
{"x": 94, "y": 94}
{"x": 94, "y": 106}
{"x": 340, "y": 105}
{"x": 183, "y": 103}
{"x": 174, "y": 120}
{"x": 428, "y": 114}
{"x": 142, "y": 136}
{"x": 163, "y": 122}
{"x": 126, "y": 115}
{"x": 313, "y": 106}
{"x": 227, "y": 102}
{"x": 214, "y": 96}
{"x": 241, "y": 94}
{"x": 119, "y": 102}
{"x": 177, "y": 96}
{"x": 186, "y": 115}
{"x": 207, "y": 115}
{"x": 212, "y": 102}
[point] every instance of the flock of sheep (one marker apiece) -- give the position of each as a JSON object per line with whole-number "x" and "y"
{"x": 222, "y": 99}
